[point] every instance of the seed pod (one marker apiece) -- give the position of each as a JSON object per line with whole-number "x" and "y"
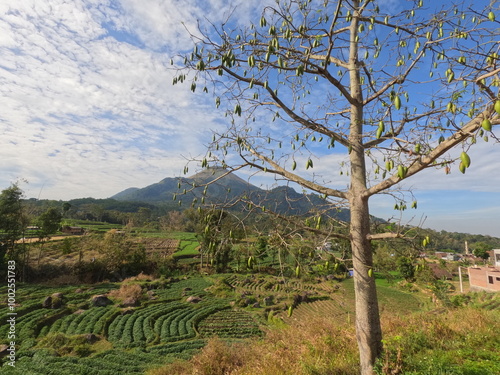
{"x": 237, "y": 109}
{"x": 461, "y": 167}
{"x": 290, "y": 311}
{"x": 402, "y": 171}
{"x": 370, "y": 273}
{"x": 297, "y": 271}
{"x": 486, "y": 124}
{"x": 318, "y": 224}
{"x": 497, "y": 107}
{"x": 465, "y": 159}
{"x": 451, "y": 76}
{"x": 397, "y": 102}
{"x": 251, "y": 61}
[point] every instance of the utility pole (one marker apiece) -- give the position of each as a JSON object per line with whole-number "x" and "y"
{"x": 460, "y": 278}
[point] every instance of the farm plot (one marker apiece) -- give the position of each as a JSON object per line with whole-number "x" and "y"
{"x": 229, "y": 324}
{"x": 93, "y": 321}
{"x": 160, "y": 246}
{"x": 159, "y": 324}
{"x": 110, "y": 362}
{"x": 332, "y": 308}
{"x": 182, "y": 288}
{"x": 128, "y": 340}
{"x": 276, "y": 284}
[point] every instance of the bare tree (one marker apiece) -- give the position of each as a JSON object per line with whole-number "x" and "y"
{"x": 384, "y": 92}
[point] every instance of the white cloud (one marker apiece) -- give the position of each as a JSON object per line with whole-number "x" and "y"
{"x": 85, "y": 108}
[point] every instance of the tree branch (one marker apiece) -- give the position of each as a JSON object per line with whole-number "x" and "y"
{"x": 426, "y": 161}
{"x": 291, "y": 176}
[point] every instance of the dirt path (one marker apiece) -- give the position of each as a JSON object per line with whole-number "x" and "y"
{"x": 35, "y": 239}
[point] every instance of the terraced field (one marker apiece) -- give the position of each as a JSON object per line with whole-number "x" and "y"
{"x": 77, "y": 338}
{"x": 229, "y": 324}
{"x": 160, "y": 246}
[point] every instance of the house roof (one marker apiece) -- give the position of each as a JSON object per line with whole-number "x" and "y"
{"x": 438, "y": 272}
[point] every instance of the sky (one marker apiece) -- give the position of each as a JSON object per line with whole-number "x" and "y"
{"x": 88, "y": 109}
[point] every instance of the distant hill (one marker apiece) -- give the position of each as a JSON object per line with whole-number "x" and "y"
{"x": 226, "y": 189}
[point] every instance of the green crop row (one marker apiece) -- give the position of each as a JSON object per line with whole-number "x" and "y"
{"x": 106, "y": 363}
{"x": 116, "y": 328}
{"x": 229, "y": 323}
{"x": 193, "y": 286}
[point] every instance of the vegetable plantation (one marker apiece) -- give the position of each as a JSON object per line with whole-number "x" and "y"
{"x": 79, "y": 337}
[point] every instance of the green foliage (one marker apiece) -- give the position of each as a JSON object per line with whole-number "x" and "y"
{"x": 406, "y": 268}
{"x": 481, "y": 249}
{"x": 66, "y": 345}
{"x": 13, "y": 222}
{"x": 441, "y": 289}
{"x": 455, "y": 342}
{"x": 66, "y": 246}
{"x": 217, "y": 231}
{"x": 49, "y": 222}
{"x": 121, "y": 254}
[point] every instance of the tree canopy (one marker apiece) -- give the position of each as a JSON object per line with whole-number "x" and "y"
{"x": 348, "y": 99}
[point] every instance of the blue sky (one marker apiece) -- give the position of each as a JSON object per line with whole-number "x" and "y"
{"x": 87, "y": 108}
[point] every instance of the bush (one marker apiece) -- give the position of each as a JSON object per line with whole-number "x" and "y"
{"x": 126, "y": 291}
{"x": 66, "y": 345}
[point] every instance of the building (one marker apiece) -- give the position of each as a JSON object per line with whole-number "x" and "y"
{"x": 486, "y": 277}
{"x": 447, "y": 256}
{"x": 496, "y": 258}
{"x": 72, "y": 230}
{"x": 439, "y": 273}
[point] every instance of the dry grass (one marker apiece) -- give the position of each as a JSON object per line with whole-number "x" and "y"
{"x": 140, "y": 277}
{"x": 317, "y": 346}
{"x": 419, "y": 343}
{"x": 127, "y": 291}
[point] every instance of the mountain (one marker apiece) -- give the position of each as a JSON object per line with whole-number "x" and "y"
{"x": 223, "y": 188}
{"x": 219, "y": 188}
{"x": 125, "y": 193}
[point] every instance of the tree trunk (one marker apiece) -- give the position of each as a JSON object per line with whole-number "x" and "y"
{"x": 368, "y": 329}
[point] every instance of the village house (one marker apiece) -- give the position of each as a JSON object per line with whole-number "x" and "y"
{"x": 72, "y": 230}
{"x": 447, "y": 256}
{"x": 486, "y": 277}
{"x": 439, "y": 273}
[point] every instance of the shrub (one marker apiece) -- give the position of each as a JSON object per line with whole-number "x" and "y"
{"x": 127, "y": 291}
{"x": 66, "y": 345}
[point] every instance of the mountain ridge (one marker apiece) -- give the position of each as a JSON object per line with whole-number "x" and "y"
{"x": 217, "y": 185}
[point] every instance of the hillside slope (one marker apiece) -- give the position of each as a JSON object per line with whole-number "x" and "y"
{"x": 228, "y": 189}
